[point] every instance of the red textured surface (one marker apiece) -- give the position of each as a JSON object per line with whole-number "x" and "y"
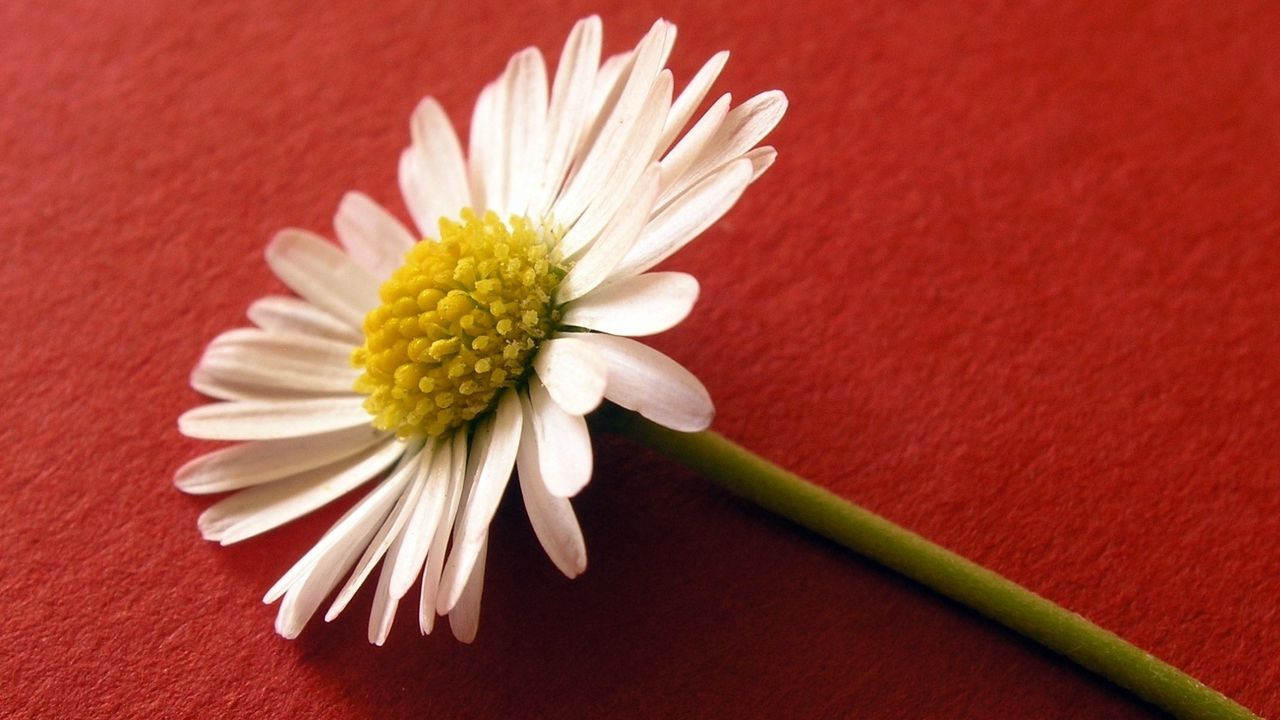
{"x": 1013, "y": 283}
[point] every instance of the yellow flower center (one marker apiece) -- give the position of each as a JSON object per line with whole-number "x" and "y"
{"x": 459, "y": 321}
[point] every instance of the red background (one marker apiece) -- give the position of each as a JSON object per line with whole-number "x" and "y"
{"x": 1012, "y": 283}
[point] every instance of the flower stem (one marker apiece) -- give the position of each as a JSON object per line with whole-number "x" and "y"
{"x": 1017, "y": 608}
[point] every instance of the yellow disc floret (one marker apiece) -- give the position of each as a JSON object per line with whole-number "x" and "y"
{"x": 459, "y": 321}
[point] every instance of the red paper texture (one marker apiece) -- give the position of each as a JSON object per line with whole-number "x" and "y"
{"x": 1013, "y": 283}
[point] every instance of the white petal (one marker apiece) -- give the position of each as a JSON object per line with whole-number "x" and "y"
{"x": 313, "y": 577}
{"x": 254, "y": 463}
{"x": 552, "y": 517}
{"x": 638, "y": 305}
{"x": 618, "y": 237}
{"x": 277, "y": 313}
{"x": 410, "y": 473}
{"x": 744, "y": 126}
{"x": 668, "y": 44}
{"x": 605, "y": 153}
{"x": 686, "y": 218}
{"x": 415, "y": 188}
{"x": 497, "y": 440}
{"x": 422, "y": 524}
{"x": 430, "y": 129}
{"x": 403, "y": 557}
{"x": 364, "y": 516}
{"x": 323, "y": 274}
{"x": 652, "y": 384}
{"x": 250, "y": 363}
{"x": 304, "y": 596}
{"x": 573, "y": 372}
{"x": 284, "y": 345}
{"x": 444, "y": 530}
{"x": 695, "y": 141}
{"x": 624, "y": 178}
{"x": 563, "y": 443}
{"x": 373, "y": 238}
{"x": 433, "y": 174}
{"x": 761, "y": 159}
{"x": 271, "y": 419}
{"x": 570, "y": 105}
{"x": 383, "y": 612}
{"x": 228, "y": 384}
{"x": 486, "y": 151}
{"x": 261, "y": 508}
{"x": 690, "y": 98}
{"x": 244, "y": 377}
{"x": 526, "y": 127}
{"x": 464, "y": 619}
{"x": 610, "y": 79}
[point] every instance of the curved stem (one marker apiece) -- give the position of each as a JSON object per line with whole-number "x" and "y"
{"x": 1017, "y": 608}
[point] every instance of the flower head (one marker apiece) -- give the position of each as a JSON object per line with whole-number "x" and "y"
{"x": 440, "y": 360}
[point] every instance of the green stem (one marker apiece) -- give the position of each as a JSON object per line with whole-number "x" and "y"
{"x": 1017, "y": 608}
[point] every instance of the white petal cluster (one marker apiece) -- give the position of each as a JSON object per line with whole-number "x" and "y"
{"x": 607, "y": 151}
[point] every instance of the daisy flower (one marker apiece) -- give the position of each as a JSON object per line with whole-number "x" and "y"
{"x": 440, "y": 360}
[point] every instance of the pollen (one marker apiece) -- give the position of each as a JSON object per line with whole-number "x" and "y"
{"x": 460, "y": 321}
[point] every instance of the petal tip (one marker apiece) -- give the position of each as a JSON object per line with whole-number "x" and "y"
{"x": 280, "y": 242}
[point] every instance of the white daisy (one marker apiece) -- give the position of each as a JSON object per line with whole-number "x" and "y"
{"x": 447, "y": 362}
